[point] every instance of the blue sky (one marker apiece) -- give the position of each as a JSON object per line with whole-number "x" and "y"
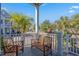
{"x": 50, "y": 11}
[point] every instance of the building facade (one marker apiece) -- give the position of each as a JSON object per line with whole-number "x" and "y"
{"x": 5, "y": 23}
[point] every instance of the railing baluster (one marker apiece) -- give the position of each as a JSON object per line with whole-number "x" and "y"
{"x": 73, "y": 44}
{"x": 55, "y": 44}
{"x": 76, "y": 45}
{"x": 70, "y": 45}
{"x": 67, "y": 41}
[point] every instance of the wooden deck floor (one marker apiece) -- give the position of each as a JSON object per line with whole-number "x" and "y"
{"x": 36, "y": 52}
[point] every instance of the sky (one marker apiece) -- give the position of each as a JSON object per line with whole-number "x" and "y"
{"x": 48, "y": 11}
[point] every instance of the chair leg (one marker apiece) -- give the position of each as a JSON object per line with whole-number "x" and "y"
{"x": 22, "y": 51}
{"x": 16, "y": 50}
{"x": 51, "y": 51}
{"x": 44, "y": 51}
{"x": 16, "y": 53}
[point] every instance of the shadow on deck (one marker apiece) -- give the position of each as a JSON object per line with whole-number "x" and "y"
{"x": 31, "y": 52}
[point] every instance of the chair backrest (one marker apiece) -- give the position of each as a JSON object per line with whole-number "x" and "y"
{"x": 11, "y": 43}
{"x": 41, "y": 40}
{"x": 45, "y": 40}
{"x": 7, "y": 41}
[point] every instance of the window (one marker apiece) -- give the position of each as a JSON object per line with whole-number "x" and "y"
{"x": 7, "y": 30}
{"x": 1, "y": 21}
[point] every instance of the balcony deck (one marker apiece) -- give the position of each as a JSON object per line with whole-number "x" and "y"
{"x": 28, "y": 51}
{"x": 36, "y": 52}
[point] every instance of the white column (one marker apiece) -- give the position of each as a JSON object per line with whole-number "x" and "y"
{"x": 37, "y": 21}
{"x": 59, "y": 44}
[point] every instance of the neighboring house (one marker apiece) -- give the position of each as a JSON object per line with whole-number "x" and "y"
{"x": 5, "y": 24}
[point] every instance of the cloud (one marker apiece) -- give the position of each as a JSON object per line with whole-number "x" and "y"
{"x": 43, "y": 4}
{"x": 74, "y": 7}
{"x": 71, "y": 11}
{"x": 3, "y": 8}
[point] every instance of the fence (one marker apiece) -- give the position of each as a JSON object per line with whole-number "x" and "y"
{"x": 72, "y": 44}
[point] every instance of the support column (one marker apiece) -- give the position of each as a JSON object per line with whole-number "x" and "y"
{"x": 37, "y": 21}
{"x": 59, "y": 44}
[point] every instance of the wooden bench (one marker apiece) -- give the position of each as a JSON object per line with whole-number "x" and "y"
{"x": 44, "y": 44}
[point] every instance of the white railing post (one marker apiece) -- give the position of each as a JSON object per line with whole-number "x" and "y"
{"x": 67, "y": 40}
{"x": 60, "y": 44}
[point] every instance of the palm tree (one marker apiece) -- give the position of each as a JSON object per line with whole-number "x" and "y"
{"x": 45, "y": 25}
{"x": 21, "y": 22}
{"x": 75, "y": 21}
{"x": 62, "y": 24}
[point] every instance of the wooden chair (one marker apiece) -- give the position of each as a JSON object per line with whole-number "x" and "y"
{"x": 20, "y": 45}
{"x": 11, "y": 47}
{"x": 43, "y": 44}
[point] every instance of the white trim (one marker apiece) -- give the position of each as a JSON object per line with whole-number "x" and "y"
{"x": 39, "y": 1}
